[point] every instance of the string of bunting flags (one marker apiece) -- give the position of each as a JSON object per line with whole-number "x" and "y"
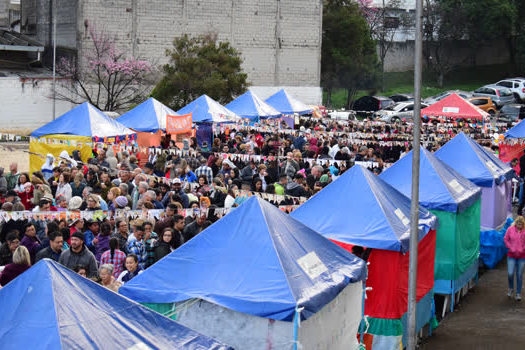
{"x": 146, "y": 214}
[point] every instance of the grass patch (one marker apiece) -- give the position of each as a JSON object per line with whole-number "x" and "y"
{"x": 467, "y": 79}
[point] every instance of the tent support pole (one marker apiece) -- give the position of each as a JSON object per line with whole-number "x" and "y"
{"x": 414, "y": 205}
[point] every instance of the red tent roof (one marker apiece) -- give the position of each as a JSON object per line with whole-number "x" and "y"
{"x": 454, "y": 106}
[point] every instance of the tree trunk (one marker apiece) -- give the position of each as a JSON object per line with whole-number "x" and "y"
{"x": 350, "y": 94}
{"x": 329, "y": 97}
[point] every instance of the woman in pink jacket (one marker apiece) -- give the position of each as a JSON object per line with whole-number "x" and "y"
{"x": 515, "y": 242}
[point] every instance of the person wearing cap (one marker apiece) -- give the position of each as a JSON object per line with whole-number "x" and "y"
{"x": 90, "y": 235}
{"x": 78, "y": 254}
{"x": 121, "y": 202}
{"x": 176, "y": 186}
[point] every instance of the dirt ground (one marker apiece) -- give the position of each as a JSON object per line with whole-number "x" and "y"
{"x": 14, "y": 152}
{"x": 484, "y": 319}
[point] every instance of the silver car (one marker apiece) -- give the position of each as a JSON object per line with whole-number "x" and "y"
{"x": 433, "y": 99}
{"x": 498, "y": 94}
{"x": 398, "y": 111}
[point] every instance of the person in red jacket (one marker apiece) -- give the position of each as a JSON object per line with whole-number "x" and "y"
{"x": 26, "y": 196}
{"x": 515, "y": 242}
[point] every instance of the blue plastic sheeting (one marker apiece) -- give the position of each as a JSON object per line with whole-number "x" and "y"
{"x": 517, "y": 131}
{"x": 492, "y": 247}
{"x": 256, "y": 260}
{"x": 51, "y": 307}
{"x": 440, "y": 186}
{"x": 359, "y": 208}
{"x": 149, "y": 116}
{"x": 287, "y": 104}
{"x": 447, "y": 287}
{"x": 83, "y": 120}
{"x": 250, "y": 106}
{"x": 207, "y": 110}
{"x": 474, "y": 162}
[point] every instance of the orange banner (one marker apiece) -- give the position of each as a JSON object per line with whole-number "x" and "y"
{"x": 178, "y": 124}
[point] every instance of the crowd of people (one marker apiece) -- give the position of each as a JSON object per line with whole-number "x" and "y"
{"x": 290, "y": 163}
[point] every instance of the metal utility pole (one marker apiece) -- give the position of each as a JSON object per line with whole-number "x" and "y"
{"x": 54, "y": 17}
{"x": 414, "y": 205}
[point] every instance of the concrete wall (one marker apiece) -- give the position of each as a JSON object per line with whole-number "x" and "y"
{"x": 4, "y": 13}
{"x": 280, "y": 40}
{"x": 25, "y": 103}
{"x": 400, "y": 57}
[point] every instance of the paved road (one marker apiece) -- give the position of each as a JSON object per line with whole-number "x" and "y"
{"x": 485, "y": 318}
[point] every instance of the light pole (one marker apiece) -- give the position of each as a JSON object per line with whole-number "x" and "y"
{"x": 414, "y": 205}
{"x": 54, "y": 17}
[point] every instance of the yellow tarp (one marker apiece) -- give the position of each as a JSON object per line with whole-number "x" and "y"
{"x": 54, "y": 144}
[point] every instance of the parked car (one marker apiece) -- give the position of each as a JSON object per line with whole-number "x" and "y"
{"x": 511, "y": 112}
{"x": 398, "y": 111}
{"x": 433, "y": 99}
{"x": 342, "y": 115}
{"x": 516, "y": 85}
{"x": 485, "y": 104}
{"x": 500, "y": 95}
{"x": 371, "y": 103}
{"x": 402, "y": 97}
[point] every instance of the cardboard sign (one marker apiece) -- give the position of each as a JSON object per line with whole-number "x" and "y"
{"x": 178, "y": 124}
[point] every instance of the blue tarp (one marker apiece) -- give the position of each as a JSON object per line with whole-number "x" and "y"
{"x": 492, "y": 247}
{"x": 250, "y": 106}
{"x": 207, "y": 110}
{"x": 287, "y": 104}
{"x": 256, "y": 260}
{"x": 149, "y": 116}
{"x": 51, "y": 307}
{"x": 359, "y": 208}
{"x": 517, "y": 131}
{"x": 83, "y": 120}
{"x": 440, "y": 186}
{"x": 474, "y": 162}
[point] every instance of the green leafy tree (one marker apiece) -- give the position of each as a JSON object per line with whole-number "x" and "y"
{"x": 200, "y": 65}
{"x": 349, "y": 58}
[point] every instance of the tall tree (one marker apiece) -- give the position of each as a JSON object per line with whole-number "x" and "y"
{"x": 385, "y": 21}
{"x": 106, "y": 78}
{"x": 197, "y": 66}
{"x": 444, "y": 24}
{"x": 349, "y": 58}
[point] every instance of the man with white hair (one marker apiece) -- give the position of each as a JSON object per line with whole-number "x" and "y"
{"x": 151, "y": 196}
{"x": 139, "y": 193}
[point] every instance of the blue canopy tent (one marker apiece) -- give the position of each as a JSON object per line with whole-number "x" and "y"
{"x": 83, "y": 120}
{"x": 517, "y": 131}
{"x": 149, "y": 116}
{"x": 361, "y": 209}
{"x": 74, "y": 130}
{"x": 206, "y": 110}
{"x": 255, "y": 262}
{"x": 250, "y": 106}
{"x": 456, "y": 202}
{"x": 51, "y": 307}
{"x": 483, "y": 168}
{"x": 286, "y": 104}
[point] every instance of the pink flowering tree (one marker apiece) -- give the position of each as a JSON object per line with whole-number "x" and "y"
{"x": 104, "y": 76}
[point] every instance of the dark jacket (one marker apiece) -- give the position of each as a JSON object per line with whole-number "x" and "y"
{"x": 191, "y": 231}
{"x": 71, "y": 259}
{"x": 12, "y": 271}
{"x": 33, "y": 245}
{"x": 47, "y": 253}
{"x": 122, "y": 242}
{"x": 6, "y": 257}
{"x": 247, "y": 173}
{"x": 162, "y": 250}
{"x": 296, "y": 190}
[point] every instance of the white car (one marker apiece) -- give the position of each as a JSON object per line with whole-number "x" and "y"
{"x": 516, "y": 85}
{"x": 398, "y": 111}
{"x": 342, "y": 115}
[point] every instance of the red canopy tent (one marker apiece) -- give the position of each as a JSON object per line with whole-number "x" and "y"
{"x": 455, "y": 107}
